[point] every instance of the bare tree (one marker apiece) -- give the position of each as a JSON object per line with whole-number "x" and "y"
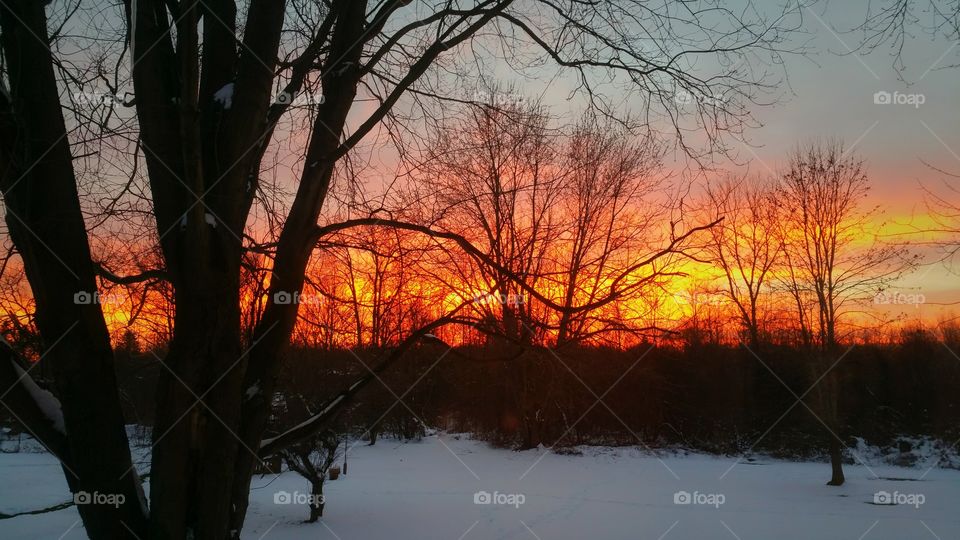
{"x": 207, "y": 112}
{"x": 312, "y": 457}
{"x": 610, "y": 213}
{"x": 491, "y": 174}
{"x": 944, "y": 209}
{"x": 893, "y": 23}
{"x": 83, "y": 426}
{"x": 833, "y": 259}
{"x": 746, "y": 245}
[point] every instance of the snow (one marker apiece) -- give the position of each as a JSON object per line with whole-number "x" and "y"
{"x": 210, "y": 219}
{"x": 306, "y": 422}
{"x": 253, "y": 390}
{"x": 47, "y": 402}
{"x": 224, "y": 95}
{"x": 141, "y": 494}
{"x": 426, "y": 490}
{"x": 924, "y": 452}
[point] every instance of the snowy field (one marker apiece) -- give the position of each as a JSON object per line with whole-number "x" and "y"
{"x": 427, "y": 490}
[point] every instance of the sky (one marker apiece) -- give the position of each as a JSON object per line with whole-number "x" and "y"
{"x": 830, "y": 92}
{"x": 833, "y": 95}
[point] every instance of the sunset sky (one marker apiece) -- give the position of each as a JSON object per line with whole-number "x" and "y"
{"x": 833, "y": 96}
{"x": 829, "y": 92}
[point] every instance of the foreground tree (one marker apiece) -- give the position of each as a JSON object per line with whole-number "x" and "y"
{"x": 211, "y": 92}
{"x": 85, "y": 428}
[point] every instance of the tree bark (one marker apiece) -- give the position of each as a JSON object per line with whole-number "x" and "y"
{"x": 836, "y": 463}
{"x": 296, "y": 242}
{"x": 195, "y": 441}
{"x": 316, "y": 502}
{"x": 46, "y": 225}
{"x": 199, "y": 157}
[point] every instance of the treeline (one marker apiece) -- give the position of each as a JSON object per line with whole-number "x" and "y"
{"x": 703, "y": 396}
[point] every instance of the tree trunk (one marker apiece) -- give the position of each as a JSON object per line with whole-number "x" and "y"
{"x": 196, "y": 444}
{"x": 754, "y": 337}
{"x": 296, "y": 242}
{"x": 316, "y": 501}
{"x": 836, "y": 463}
{"x": 46, "y": 225}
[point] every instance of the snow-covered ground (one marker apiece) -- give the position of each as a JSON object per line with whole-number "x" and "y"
{"x": 431, "y": 490}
